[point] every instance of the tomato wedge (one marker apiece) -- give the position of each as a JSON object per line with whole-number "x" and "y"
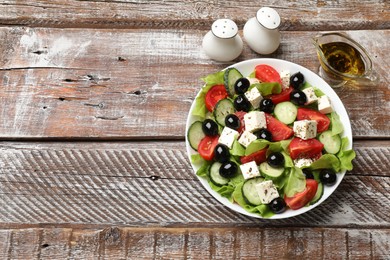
{"x": 282, "y": 96}
{"x": 206, "y": 147}
{"x": 278, "y": 130}
{"x": 259, "y": 157}
{"x": 240, "y": 115}
{"x": 300, "y": 148}
{"x": 322, "y": 120}
{"x": 300, "y": 199}
{"x": 215, "y": 94}
{"x": 266, "y": 73}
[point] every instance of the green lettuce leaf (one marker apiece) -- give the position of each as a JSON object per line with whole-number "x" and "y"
{"x": 288, "y": 162}
{"x": 210, "y": 80}
{"x": 306, "y": 85}
{"x": 278, "y": 146}
{"x": 237, "y": 179}
{"x": 203, "y": 171}
{"x": 263, "y": 210}
{"x": 318, "y": 92}
{"x": 326, "y": 161}
{"x": 256, "y": 145}
{"x": 267, "y": 88}
{"x": 337, "y": 126}
{"x": 225, "y": 191}
{"x": 346, "y": 156}
{"x": 214, "y": 79}
{"x": 279, "y": 182}
{"x": 237, "y": 149}
{"x": 296, "y": 182}
{"x": 197, "y": 159}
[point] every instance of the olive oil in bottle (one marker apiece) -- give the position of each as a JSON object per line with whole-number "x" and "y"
{"x": 343, "y": 57}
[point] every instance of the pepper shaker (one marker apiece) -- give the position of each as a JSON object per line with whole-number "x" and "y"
{"x": 261, "y": 32}
{"x": 222, "y": 42}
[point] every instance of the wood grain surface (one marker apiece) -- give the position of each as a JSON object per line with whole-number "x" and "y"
{"x": 152, "y": 184}
{"x": 296, "y": 15}
{"x": 74, "y": 83}
{"x": 94, "y": 96}
{"x": 194, "y": 243}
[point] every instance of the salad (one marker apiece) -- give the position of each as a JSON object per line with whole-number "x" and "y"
{"x": 268, "y": 141}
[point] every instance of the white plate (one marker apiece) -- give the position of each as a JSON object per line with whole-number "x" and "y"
{"x": 247, "y": 67}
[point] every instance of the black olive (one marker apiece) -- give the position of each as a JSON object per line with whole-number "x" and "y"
{"x": 266, "y": 105}
{"x": 209, "y": 127}
{"x": 263, "y": 134}
{"x": 221, "y": 153}
{"x": 328, "y": 177}
{"x": 276, "y": 160}
{"x": 297, "y": 80}
{"x": 298, "y": 97}
{"x": 308, "y": 174}
{"x": 277, "y": 205}
{"x": 242, "y": 104}
{"x": 232, "y": 121}
{"x": 241, "y": 85}
{"x": 228, "y": 169}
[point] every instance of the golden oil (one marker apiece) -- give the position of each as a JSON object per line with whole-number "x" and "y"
{"x": 343, "y": 58}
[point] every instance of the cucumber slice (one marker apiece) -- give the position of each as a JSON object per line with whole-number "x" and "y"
{"x": 270, "y": 172}
{"x": 195, "y": 134}
{"x": 249, "y": 191}
{"x": 332, "y": 143}
{"x": 215, "y": 177}
{"x": 230, "y": 77}
{"x": 319, "y": 193}
{"x": 223, "y": 108}
{"x": 286, "y": 112}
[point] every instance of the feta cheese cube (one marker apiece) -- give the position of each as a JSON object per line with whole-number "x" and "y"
{"x": 249, "y": 170}
{"x": 305, "y": 129}
{"x": 254, "y": 97}
{"x": 324, "y": 105}
{"x": 254, "y": 120}
{"x": 310, "y": 95}
{"x": 253, "y": 80}
{"x": 228, "y": 136}
{"x": 246, "y": 138}
{"x": 285, "y": 77}
{"x": 303, "y": 162}
{"x": 267, "y": 191}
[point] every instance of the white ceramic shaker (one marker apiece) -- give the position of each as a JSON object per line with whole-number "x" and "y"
{"x": 261, "y": 32}
{"x": 222, "y": 42}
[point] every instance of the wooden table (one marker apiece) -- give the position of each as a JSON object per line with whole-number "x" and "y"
{"x": 94, "y": 96}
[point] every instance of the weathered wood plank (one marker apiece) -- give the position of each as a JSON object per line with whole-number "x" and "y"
{"x": 54, "y": 243}
{"x": 196, "y": 243}
{"x": 74, "y": 83}
{"x": 5, "y": 243}
{"x": 147, "y": 184}
{"x": 296, "y": 15}
{"x": 23, "y": 240}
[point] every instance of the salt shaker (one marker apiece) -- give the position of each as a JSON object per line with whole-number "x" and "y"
{"x": 261, "y": 32}
{"x": 222, "y": 42}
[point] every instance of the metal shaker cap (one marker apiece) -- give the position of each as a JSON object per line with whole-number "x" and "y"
{"x": 268, "y": 18}
{"x": 224, "y": 28}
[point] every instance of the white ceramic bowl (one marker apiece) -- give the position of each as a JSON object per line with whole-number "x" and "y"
{"x": 246, "y": 67}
